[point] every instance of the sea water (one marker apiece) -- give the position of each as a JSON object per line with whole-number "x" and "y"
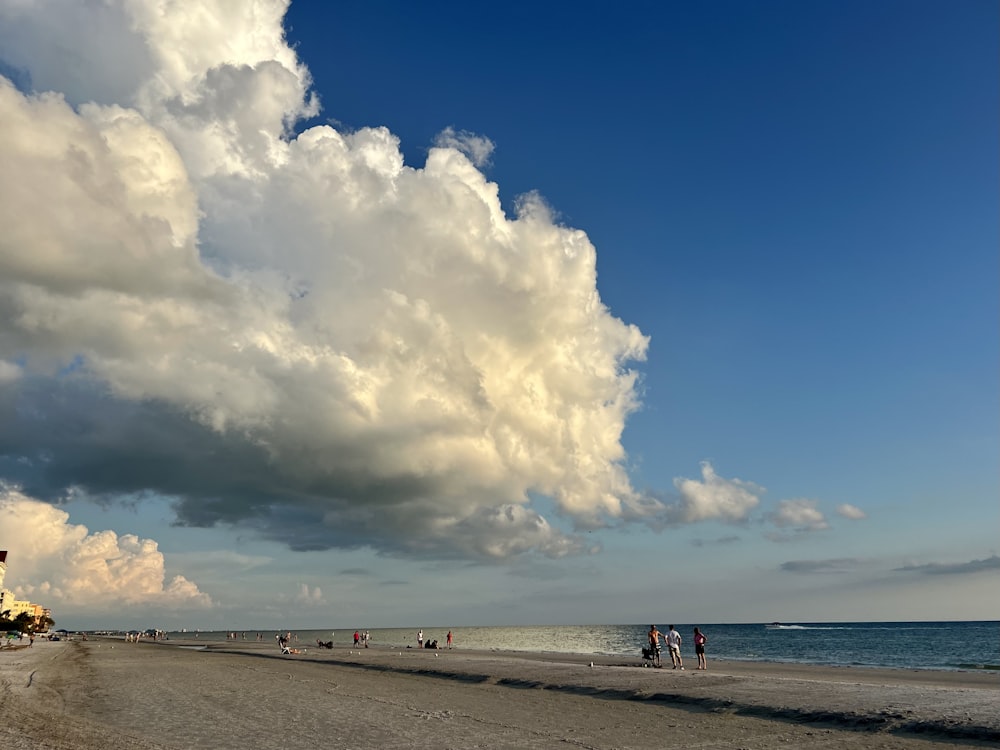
{"x": 904, "y": 645}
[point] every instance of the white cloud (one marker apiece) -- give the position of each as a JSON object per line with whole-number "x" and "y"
{"x": 89, "y": 51}
{"x": 309, "y": 597}
{"x": 476, "y": 147}
{"x": 801, "y": 515}
{"x": 58, "y": 564}
{"x": 713, "y": 498}
{"x": 851, "y": 512}
{"x": 397, "y": 361}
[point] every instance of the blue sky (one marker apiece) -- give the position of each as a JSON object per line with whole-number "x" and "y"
{"x": 785, "y": 407}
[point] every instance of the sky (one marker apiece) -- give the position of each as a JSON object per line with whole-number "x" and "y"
{"x": 388, "y": 314}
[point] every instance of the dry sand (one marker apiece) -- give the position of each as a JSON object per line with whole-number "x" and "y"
{"x": 115, "y": 696}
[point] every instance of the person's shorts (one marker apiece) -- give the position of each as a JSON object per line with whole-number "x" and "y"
{"x": 675, "y": 650}
{"x": 699, "y": 649}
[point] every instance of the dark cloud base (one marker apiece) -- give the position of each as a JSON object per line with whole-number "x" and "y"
{"x": 63, "y": 434}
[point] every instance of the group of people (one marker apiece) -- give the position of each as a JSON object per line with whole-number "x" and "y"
{"x": 673, "y": 640}
{"x": 361, "y": 638}
{"x": 234, "y": 636}
{"x": 421, "y": 643}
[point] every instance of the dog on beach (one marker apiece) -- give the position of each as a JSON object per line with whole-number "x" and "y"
{"x": 322, "y": 644}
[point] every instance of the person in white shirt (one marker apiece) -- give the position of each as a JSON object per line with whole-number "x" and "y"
{"x": 674, "y": 644}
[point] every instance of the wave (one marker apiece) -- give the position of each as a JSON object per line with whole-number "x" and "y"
{"x": 805, "y": 627}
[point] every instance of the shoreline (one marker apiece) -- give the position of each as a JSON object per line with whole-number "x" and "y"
{"x": 736, "y": 664}
{"x": 954, "y": 646}
{"x": 152, "y": 692}
{"x": 971, "y": 677}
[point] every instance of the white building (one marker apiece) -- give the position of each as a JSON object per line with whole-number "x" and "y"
{"x": 9, "y": 605}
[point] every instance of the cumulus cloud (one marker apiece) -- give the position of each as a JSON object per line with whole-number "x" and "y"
{"x": 799, "y": 515}
{"x": 58, "y": 563}
{"x": 712, "y": 498}
{"x": 296, "y": 334}
{"x": 478, "y": 148}
{"x": 309, "y": 597}
{"x": 851, "y": 512}
{"x": 973, "y": 566}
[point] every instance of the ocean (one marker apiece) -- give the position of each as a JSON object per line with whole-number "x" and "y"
{"x": 903, "y": 645}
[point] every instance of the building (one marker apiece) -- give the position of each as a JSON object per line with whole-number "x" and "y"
{"x": 12, "y": 607}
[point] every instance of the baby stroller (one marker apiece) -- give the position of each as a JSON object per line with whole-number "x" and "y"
{"x": 650, "y": 657}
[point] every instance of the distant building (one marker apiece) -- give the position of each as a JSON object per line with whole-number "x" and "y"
{"x": 14, "y": 607}
{"x": 18, "y": 607}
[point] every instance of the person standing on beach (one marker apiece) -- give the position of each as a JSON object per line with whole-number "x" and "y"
{"x": 699, "y": 648}
{"x": 654, "y": 645}
{"x": 449, "y": 639}
{"x": 674, "y": 644}
{"x": 420, "y": 639}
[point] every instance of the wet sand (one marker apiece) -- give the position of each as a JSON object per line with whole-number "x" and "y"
{"x": 115, "y": 696}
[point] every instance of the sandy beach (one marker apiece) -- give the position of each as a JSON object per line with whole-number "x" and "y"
{"x": 112, "y": 695}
